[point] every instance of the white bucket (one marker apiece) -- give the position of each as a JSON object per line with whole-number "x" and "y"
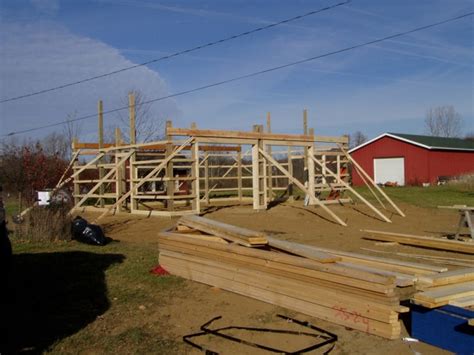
{"x": 44, "y": 197}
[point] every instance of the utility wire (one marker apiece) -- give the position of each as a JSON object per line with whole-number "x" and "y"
{"x": 202, "y": 46}
{"x": 399, "y": 34}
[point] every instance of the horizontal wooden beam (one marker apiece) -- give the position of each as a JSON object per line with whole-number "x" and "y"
{"x": 204, "y": 148}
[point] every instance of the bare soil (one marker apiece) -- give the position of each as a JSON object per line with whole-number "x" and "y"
{"x": 197, "y": 303}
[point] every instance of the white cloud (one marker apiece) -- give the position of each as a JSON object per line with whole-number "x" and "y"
{"x": 42, "y": 55}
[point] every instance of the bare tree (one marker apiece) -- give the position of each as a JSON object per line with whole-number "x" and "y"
{"x": 357, "y": 138}
{"x": 71, "y": 129}
{"x": 148, "y": 126}
{"x": 469, "y": 137}
{"x": 443, "y": 121}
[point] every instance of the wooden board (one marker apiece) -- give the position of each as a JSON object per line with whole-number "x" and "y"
{"x": 288, "y": 260}
{"x": 449, "y": 277}
{"x": 444, "y": 294}
{"x": 336, "y": 315}
{"x": 302, "y": 250}
{"x": 429, "y": 242}
{"x": 238, "y": 235}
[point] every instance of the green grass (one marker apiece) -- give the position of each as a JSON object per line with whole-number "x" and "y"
{"x": 68, "y": 297}
{"x": 431, "y": 197}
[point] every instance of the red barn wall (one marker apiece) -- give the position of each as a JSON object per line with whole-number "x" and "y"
{"x": 450, "y": 163}
{"x": 421, "y": 165}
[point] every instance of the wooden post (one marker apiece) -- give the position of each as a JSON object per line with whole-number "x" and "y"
{"x": 133, "y": 172}
{"x": 269, "y": 165}
{"x": 170, "y": 186}
{"x": 195, "y": 175}
{"x": 132, "y": 113}
{"x": 206, "y": 178}
{"x": 311, "y": 177}
{"x": 364, "y": 173}
{"x": 305, "y": 159}
{"x": 76, "y": 188}
{"x": 100, "y": 110}
{"x": 346, "y": 185}
{"x": 120, "y": 174}
{"x": 291, "y": 198}
{"x": 239, "y": 174}
{"x": 302, "y": 187}
{"x": 258, "y": 174}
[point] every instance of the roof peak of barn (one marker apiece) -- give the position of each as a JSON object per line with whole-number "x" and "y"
{"x": 428, "y": 142}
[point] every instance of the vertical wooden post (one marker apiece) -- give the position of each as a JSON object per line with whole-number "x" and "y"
{"x": 269, "y": 165}
{"x": 323, "y": 170}
{"x": 120, "y": 174}
{"x": 305, "y": 157}
{"x": 132, "y": 113}
{"x": 170, "y": 183}
{"x": 206, "y": 177}
{"x": 258, "y": 174}
{"x": 196, "y": 205}
{"x": 100, "y": 133}
{"x": 311, "y": 177}
{"x": 239, "y": 174}
{"x": 133, "y": 140}
{"x": 76, "y": 188}
{"x": 291, "y": 198}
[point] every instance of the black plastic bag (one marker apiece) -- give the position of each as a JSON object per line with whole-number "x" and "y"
{"x": 78, "y": 226}
{"x": 87, "y": 233}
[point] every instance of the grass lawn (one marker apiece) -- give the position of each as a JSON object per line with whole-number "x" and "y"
{"x": 60, "y": 290}
{"x": 431, "y": 197}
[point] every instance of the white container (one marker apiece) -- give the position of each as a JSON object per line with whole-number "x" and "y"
{"x": 44, "y": 198}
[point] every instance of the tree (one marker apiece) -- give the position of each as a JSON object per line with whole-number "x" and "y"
{"x": 469, "y": 137}
{"x": 443, "y": 121}
{"x": 357, "y": 138}
{"x": 148, "y": 126}
{"x": 71, "y": 130}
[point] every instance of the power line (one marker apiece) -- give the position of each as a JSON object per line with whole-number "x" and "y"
{"x": 210, "y": 44}
{"x": 399, "y": 34}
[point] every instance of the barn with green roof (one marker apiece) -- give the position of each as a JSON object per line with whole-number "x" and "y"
{"x": 408, "y": 159}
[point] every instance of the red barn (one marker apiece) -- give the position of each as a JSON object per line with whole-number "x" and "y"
{"x": 412, "y": 159}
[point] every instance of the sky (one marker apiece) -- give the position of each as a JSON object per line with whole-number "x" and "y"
{"x": 385, "y": 87}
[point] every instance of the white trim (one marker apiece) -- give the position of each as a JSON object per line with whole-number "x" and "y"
{"x": 404, "y": 140}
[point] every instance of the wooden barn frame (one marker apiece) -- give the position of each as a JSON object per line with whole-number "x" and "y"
{"x": 180, "y": 174}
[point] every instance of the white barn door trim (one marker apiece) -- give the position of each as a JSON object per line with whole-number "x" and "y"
{"x": 389, "y": 169}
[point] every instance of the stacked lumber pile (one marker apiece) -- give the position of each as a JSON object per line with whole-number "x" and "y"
{"x": 349, "y": 289}
{"x": 453, "y": 287}
{"x": 422, "y": 241}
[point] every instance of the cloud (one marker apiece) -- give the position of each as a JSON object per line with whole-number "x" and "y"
{"x": 42, "y": 55}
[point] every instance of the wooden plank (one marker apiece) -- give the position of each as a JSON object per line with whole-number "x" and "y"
{"x": 363, "y": 172}
{"x": 239, "y": 235}
{"x": 387, "y": 263}
{"x": 463, "y": 302}
{"x": 429, "y": 242}
{"x": 144, "y": 180}
{"x": 302, "y": 250}
{"x": 301, "y": 263}
{"x": 446, "y": 293}
{"x": 337, "y": 316}
{"x": 290, "y": 287}
{"x": 449, "y": 277}
{"x": 302, "y": 188}
{"x": 347, "y": 186}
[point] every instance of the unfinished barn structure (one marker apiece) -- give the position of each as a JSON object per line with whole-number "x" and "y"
{"x": 193, "y": 168}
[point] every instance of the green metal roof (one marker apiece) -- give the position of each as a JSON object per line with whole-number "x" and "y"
{"x": 437, "y": 142}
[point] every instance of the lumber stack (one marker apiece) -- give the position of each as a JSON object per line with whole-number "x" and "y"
{"x": 453, "y": 287}
{"x": 422, "y": 241}
{"x": 349, "y": 289}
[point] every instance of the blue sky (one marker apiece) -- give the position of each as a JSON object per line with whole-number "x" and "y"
{"x": 384, "y": 87}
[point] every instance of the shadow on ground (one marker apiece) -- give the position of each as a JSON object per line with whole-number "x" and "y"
{"x": 51, "y": 296}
